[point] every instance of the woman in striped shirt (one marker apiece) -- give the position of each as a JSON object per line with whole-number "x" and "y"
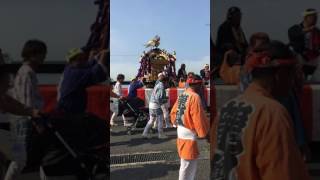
{"x": 25, "y": 91}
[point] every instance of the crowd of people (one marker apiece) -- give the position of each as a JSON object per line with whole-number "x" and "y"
{"x": 232, "y": 48}
{"x": 182, "y": 75}
{"x": 22, "y": 98}
{"x": 260, "y": 134}
{"x": 188, "y": 115}
{"x": 139, "y": 82}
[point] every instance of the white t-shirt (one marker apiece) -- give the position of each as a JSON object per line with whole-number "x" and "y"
{"x": 117, "y": 88}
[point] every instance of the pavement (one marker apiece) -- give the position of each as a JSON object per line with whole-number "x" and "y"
{"x": 122, "y": 144}
{"x": 136, "y": 167}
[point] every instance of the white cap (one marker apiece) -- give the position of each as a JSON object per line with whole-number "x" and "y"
{"x": 160, "y": 74}
{"x": 308, "y": 12}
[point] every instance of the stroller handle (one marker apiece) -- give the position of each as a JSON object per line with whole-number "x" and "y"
{"x": 44, "y": 120}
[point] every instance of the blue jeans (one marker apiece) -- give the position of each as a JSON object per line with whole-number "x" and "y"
{"x": 155, "y": 115}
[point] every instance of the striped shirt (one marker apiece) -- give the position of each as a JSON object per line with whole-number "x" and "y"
{"x": 25, "y": 88}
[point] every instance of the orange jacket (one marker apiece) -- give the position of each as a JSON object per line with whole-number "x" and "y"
{"x": 230, "y": 74}
{"x": 193, "y": 119}
{"x": 253, "y": 139}
{"x": 181, "y": 84}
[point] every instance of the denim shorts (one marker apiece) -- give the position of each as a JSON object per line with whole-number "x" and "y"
{"x": 155, "y": 112}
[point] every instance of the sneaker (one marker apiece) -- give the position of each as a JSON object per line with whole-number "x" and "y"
{"x": 146, "y": 136}
{"x": 113, "y": 124}
{"x": 162, "y": 136}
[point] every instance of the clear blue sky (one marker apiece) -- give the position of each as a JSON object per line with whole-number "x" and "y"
{"x": 183, "y": 26}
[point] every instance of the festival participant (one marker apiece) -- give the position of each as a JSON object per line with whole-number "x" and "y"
{"x": 118, "y": 90}
{"x": 205, "y": 73}
{"x": 79, "y": 74}
{"x": 305, "y": 40}
{"x": 164, "y": 107}
{"x": 291, "y": 102}
{"x": 189, "y": 116}
{"x": 252, "y": 138}
{"x": 202, "y": 96}
{"x": 25, "y": 91}
{"x": 157, "y": 100}
{"x": 190, "y": 75}
{"x": 133, "y": 87}
{"x": 182, "y": 83}
{"x": 231, "y": 70}
{"x": 182, "y": 73}
{"x": 256, "y": 40}
{"x": 9, "y": 105}
{"x": 231, "y": 36}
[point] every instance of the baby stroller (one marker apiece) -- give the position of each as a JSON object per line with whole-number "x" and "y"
{"x": 134, "y": 107}
{"x": 79, "y": 146}
{"x": 71, "y": 145}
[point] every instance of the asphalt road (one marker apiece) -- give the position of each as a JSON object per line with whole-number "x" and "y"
{"x": 122, "y": 144}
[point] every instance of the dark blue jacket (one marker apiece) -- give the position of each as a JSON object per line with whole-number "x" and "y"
{"x": 133, "y": 88}
{"x": 73, "y": 95}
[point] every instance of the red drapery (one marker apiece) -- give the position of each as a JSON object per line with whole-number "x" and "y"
{"x": 98, "y": 99}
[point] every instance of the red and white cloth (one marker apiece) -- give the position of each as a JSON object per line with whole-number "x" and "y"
{"x": 172, "y": 94}
{"x": 98, "y": 100}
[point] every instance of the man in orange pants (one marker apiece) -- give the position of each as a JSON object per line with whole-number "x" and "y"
{"x": 253, "y": 139}
{"x": 189, "y": 116}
